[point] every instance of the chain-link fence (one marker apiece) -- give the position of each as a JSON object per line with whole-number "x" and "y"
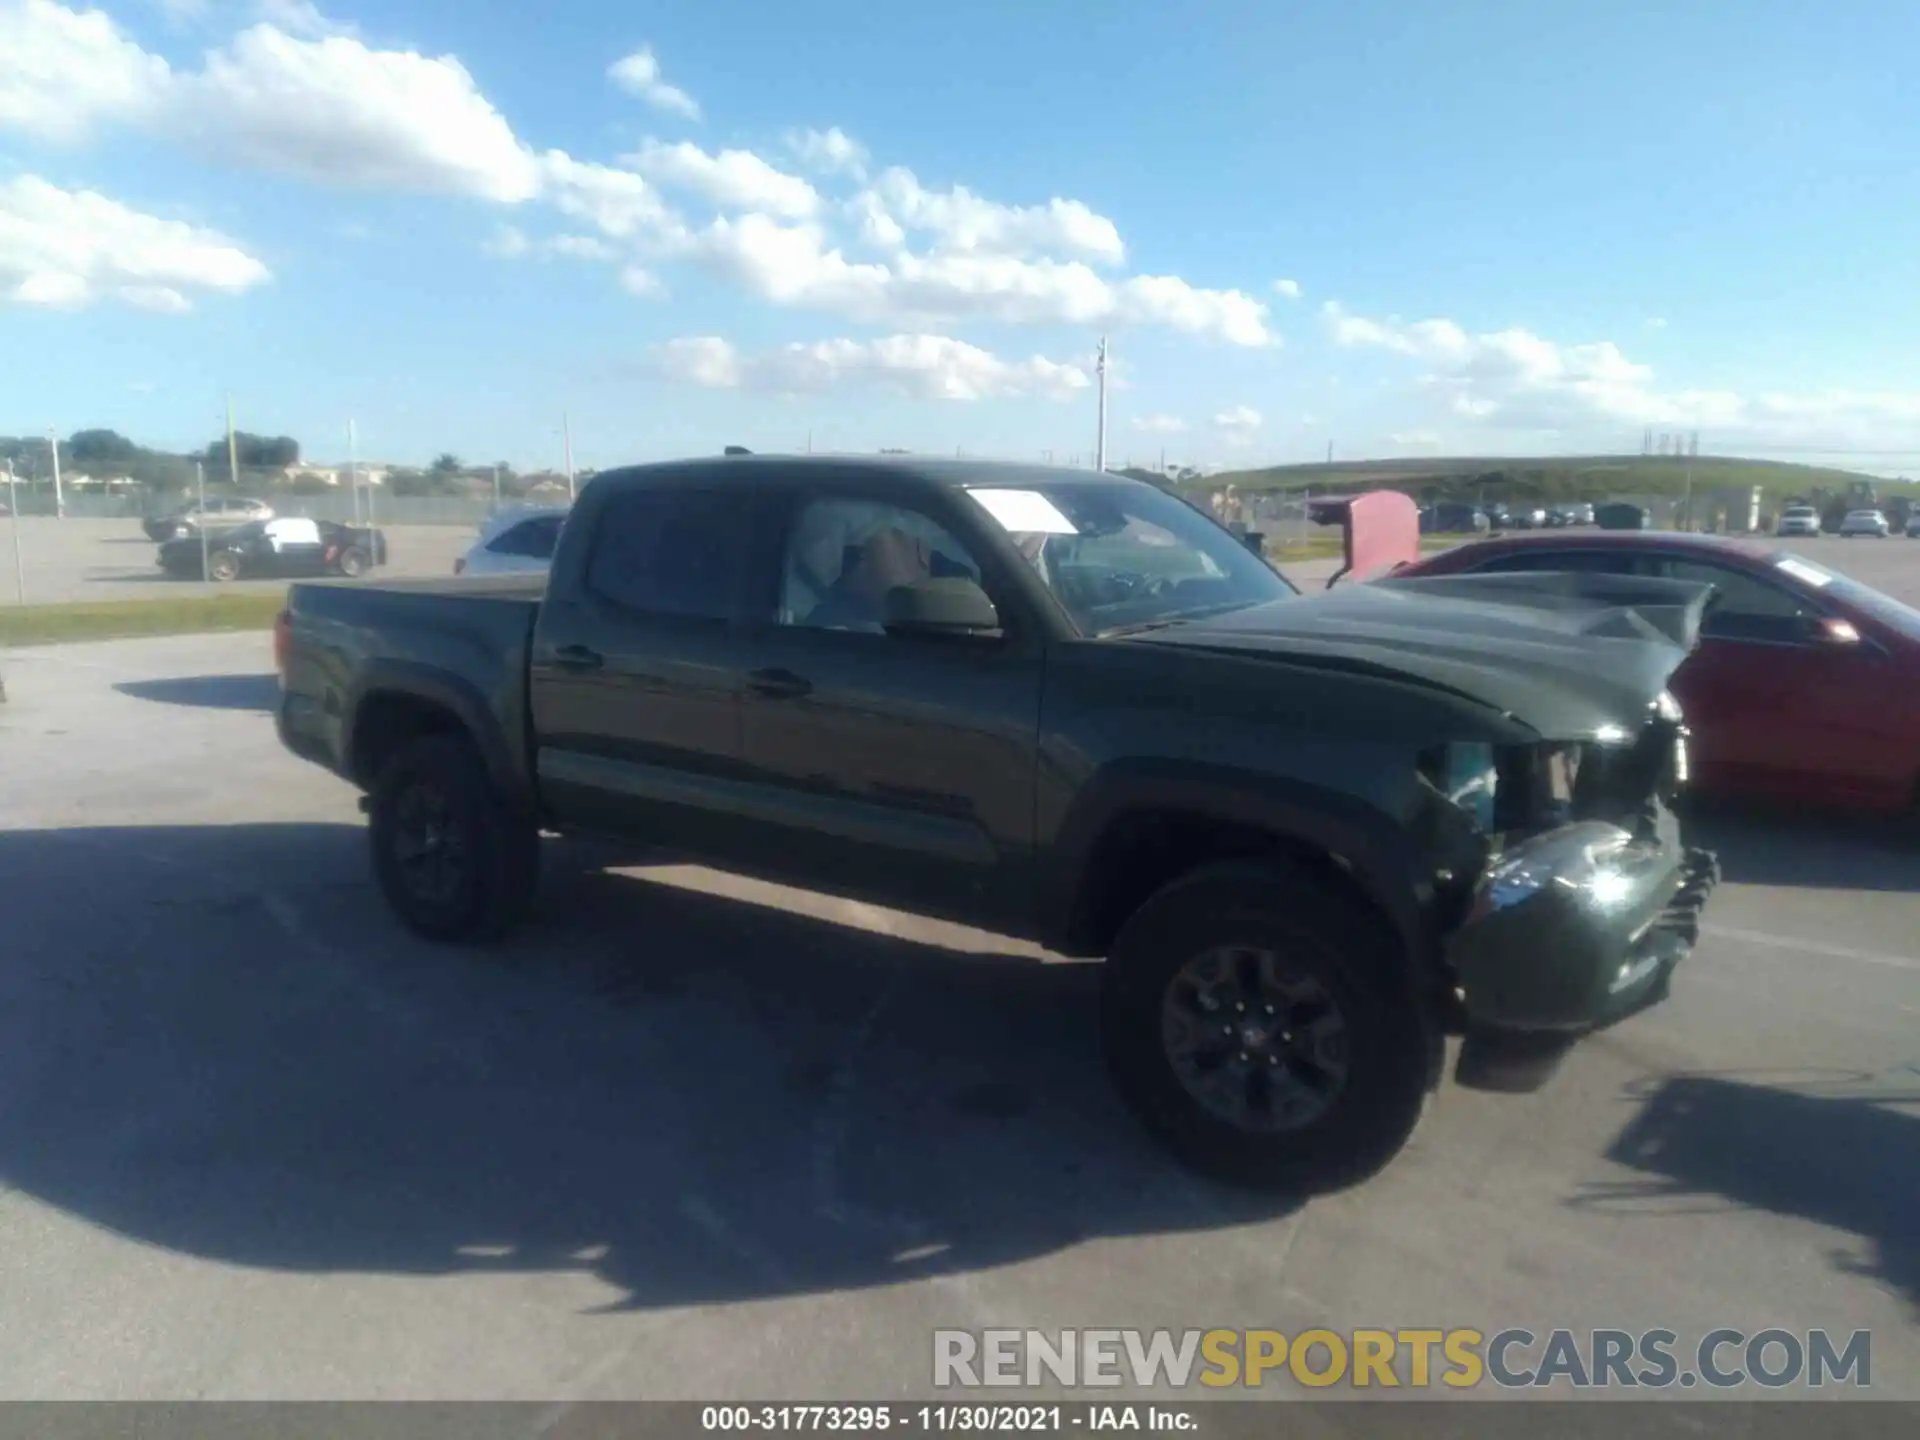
{"x": 462, "y": 510}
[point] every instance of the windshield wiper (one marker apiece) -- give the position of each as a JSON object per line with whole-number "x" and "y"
{"x": 1180, "y": 617}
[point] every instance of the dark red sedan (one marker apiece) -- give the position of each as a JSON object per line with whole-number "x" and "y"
{"x": 1806, "y": 685}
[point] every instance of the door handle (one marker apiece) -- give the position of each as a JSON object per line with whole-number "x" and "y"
{"x": 779, "y": 684}
{"x": 577, "y": 657}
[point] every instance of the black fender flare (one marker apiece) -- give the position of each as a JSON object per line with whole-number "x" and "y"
{"x": 460, "y": 698}
{"x": 1372, "y": 848}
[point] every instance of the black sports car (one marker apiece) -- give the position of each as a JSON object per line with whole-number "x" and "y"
{"x": 273, "y": 548}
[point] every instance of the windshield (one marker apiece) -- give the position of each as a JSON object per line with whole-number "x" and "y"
{"x": 1895, "y": 614}
{"x": 1126, "y": 555}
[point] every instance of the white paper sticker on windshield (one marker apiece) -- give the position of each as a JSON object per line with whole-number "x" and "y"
{"x": 1024, "y": 511}
{"x": 1802, "y": 570}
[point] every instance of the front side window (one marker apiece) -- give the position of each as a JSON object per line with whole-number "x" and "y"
{"x": 1745, "y": 608}
{"x": 1118, "y": 556}
{"x": 843, "y": 555}
{"x": 669, "y": 552}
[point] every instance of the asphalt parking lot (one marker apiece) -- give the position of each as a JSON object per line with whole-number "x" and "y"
{"x": 71, "y": 560}
{"x": 693, "y": 1137}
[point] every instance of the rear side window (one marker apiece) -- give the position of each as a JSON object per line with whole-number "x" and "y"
{"x": 671, "y": 552}
{"x": 1596, "y": 561}
{"x": 534, "y": 538}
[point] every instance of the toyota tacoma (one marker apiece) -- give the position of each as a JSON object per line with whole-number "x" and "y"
{"x": 1310, "y": 835}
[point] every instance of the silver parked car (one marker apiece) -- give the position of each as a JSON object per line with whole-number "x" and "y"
{"x": 1798, "y": 520}
{"x": 217, "y": 516}
{"x": 1865, "y": 522}
{"x": 514, "y": 541}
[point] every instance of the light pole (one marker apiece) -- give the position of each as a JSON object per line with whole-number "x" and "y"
{"x": 200, "y": 484}
{"x": 1100, "y": 450}
{"x": 59, "y": 499}
{"x": 13, "y": 520}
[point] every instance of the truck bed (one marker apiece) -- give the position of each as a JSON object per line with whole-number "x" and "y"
{"x": 463, "y": 642}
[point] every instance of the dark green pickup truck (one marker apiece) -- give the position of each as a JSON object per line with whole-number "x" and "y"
{"x": 1310, "y": 835}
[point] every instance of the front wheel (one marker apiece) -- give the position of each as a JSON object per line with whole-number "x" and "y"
{"x": 1263, "y": 1028}
{"x": 353, "y": 563}
{"x": 453, "y": 861}
{"x": 223, "y": 567}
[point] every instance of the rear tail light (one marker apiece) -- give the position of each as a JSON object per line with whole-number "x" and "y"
{"x": 282, "y": 642}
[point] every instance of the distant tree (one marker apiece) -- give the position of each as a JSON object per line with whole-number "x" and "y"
{"x": 106, "y": 448}
{"x": 446, "y": 464}
{"x": 410, "y": 482}
{"x": 254, "y": 452}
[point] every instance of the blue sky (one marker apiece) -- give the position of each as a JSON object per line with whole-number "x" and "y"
{"x": 1474, "y": 227}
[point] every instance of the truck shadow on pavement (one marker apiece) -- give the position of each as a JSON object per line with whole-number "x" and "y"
{"x": 209, "y": 692}
{"x": 215, "y": 1040}
{"x": 1848, "y": 1160}
{"x": 1759, "y": 846}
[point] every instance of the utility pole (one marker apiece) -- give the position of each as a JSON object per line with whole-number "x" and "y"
{"x": 1329, "y": 452}
{"x": 13, "y": 519}
{"x": 200, "y": 485}
{"x": 566, "y": 430}
{"x": 809, "y": 441}
{"x": 233, "y": 448}
{"x": 1100, "y": 450}
{"x": 353, "y": 472}
{"x": 496, "y": 485}
{"x": 59, "y": 499}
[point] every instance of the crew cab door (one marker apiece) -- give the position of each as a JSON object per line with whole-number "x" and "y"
{"x": 637, "y": 665}
{"x": 899, "y": 770}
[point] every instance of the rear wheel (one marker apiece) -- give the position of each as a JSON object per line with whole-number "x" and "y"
{"x": 452, "y": 860}
{"x": 223, "y": 566}
{"x": 353, "y": 562}
{"x": 1263, "y": 1029}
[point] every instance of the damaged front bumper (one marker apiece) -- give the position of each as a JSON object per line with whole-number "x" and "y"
{"x": 1580, "y": 927}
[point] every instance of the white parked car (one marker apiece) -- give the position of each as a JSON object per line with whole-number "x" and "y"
{"x": 1798, "y": 520}
{"x": 1865, "y": 522}
{"x": 515, "y": 541}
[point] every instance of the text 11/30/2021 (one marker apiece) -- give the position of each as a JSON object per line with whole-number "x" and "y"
{"x": 883, "y": 1419}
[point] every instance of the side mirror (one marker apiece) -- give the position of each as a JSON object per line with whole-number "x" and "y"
{"x": 1827, "y": 630}
{"x": 944, "y": 607}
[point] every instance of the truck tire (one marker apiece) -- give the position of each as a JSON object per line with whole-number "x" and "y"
{"x": 353, "y": 562}
{"x": 453, "y": 862}
{"x": 1323, "y": 1056}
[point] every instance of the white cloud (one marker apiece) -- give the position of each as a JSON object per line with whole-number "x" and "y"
{"x": 638, "y": 280}
{"x": 620, "y": 203}
{"x": 65, "y": 73}
{"x": 639, "y": 74}
{"x": 1159, "y": 424}
{"x": 829, "y": 152}
{"x": 798, "y": 266}
{"x": 510, "y": 242}
{"x": 68, "y": 249}
{"x": 1288, "y": 289}
{"x": 507, "y": 242}
{"x": 699, "y": 360}
{"x": 301, "y": 18}
{"x": 928, "y": 367}
{"x": 732, "y": 179}
{"x": 959, "y": 220}
{"x": 1524, "y": 381}
{"x": 335, "y": 111}
{"x": 1417, "y": 439}
{"x": 1238, "y": 425}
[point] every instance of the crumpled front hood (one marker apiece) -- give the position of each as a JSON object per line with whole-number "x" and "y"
{"x": 1566, "y": 654}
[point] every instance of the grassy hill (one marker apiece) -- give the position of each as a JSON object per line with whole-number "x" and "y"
{"x": 1580, "y": 477}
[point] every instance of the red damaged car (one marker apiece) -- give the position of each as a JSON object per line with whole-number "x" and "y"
{"x": 1805, "y": 687}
